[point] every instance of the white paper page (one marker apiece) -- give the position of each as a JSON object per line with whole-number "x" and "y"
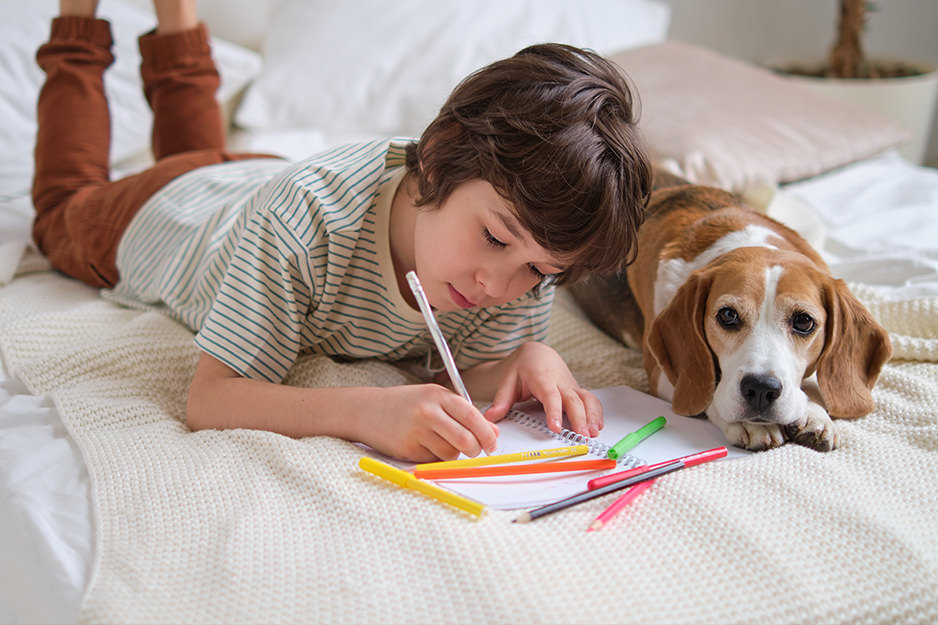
{"x": 625, "y": 410}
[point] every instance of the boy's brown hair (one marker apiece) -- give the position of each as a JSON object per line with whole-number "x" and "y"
{"x": 552, "y": 129}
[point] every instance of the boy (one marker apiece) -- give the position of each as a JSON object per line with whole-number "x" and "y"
{"x": 531, "y": 175}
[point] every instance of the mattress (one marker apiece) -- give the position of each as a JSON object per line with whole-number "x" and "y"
{"x": 880, "y": 235}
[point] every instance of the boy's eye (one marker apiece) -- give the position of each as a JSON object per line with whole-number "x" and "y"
{"x": 491, "y": 240}
{"x": 496, "y": 243}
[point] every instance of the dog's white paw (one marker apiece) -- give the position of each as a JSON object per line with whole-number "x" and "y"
{"x": 755, "y": 436}
{"x": 816, "y": 430}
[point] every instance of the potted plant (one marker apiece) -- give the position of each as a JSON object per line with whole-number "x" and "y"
{"x": 902, "y": 90}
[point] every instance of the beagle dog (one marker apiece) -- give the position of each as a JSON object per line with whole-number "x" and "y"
{"x": 738, "y": 318}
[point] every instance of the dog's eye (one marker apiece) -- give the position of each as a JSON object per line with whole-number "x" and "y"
{"x": 803, "y": 323}
{"x": 728, "y": 318}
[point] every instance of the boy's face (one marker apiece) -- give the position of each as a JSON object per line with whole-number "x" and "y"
{"x": 472, "y": 251}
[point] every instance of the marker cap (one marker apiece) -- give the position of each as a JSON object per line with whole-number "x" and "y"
{"x": 704, "y": 456}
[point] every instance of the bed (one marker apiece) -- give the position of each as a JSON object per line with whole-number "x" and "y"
{"x": 113, "y": 511}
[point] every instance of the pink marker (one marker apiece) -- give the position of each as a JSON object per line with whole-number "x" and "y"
{"x": 620, "y": 503}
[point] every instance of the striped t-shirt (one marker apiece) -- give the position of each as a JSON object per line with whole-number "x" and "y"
{"x": 267, "y": 261}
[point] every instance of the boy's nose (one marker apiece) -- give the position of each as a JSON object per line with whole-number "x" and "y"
{"x": 494, "y": 282}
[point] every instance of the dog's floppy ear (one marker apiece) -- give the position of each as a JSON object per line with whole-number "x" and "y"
{"x": 676, "y": 341}
{"x": 856, "y": 348}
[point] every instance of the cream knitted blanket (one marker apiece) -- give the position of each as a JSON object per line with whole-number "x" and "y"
{"x": 244, "y": 526}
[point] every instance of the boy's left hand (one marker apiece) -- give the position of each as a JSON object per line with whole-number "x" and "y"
{"x": 536, "y": 371}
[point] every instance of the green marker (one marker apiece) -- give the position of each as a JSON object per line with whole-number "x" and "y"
{"x": 636, "y": 437}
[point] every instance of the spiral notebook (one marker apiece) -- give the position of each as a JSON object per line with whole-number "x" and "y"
{"x": 625, "y": 410}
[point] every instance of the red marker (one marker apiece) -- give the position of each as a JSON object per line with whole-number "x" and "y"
{"x": 689, "y": 461}
{"x": 646, "y": 473}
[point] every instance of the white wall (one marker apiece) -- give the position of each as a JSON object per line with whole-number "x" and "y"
{"x": 765, "y": 30}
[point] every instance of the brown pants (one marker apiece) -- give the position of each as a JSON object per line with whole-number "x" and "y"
{"x": 80, "y": 213}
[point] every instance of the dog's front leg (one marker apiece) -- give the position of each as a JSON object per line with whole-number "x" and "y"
{"x": 816, "y": 430}
{"x": 752, "y": 436}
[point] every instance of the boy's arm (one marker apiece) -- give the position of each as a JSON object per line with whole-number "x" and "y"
{"x": 535, "y": 370}
{"x": 415, "y": 422}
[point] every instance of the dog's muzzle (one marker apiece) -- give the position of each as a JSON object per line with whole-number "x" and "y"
{"x": 760, "y": 391}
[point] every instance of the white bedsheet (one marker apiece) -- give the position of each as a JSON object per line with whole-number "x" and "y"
{"x": 881, "y": 217}
{"x": 46, "y": 531}
{"x": 46, "y": 534}
{"x": 881, "y": 229}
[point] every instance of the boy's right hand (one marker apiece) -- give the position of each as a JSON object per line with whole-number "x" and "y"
{"x": 424, "y": 423}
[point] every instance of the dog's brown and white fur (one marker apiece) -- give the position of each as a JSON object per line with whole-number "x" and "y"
{"x": 739, "y": 318}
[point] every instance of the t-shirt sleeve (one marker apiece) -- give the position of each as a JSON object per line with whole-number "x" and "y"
{"x": 256, "y": 322}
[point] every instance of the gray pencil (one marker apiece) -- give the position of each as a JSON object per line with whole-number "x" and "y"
{"x": 598, "y": 492}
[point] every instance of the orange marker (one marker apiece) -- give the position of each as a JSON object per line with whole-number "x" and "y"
{"x": 515, "y": 469}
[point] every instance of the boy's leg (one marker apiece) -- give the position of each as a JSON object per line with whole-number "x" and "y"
{"x": 72, "y": 139}
{"x": 80, "y": 215}
{"x": 74, "y": 131}
{"x": 180, "y": 81}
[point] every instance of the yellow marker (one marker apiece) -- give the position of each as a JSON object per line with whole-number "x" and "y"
{"x": 521, "y": 456}
{"x": 405, "y": 479}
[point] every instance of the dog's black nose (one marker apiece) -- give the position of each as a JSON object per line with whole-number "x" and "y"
{"x": 760, "y": 391}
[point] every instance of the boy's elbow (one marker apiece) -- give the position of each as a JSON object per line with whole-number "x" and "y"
{"x": 208, "y": 395}
{"x": 197, "y": 415}
{"x": 203, "y": 402}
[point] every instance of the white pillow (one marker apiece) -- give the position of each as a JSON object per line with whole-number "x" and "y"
{"x": 716, "y": 120}
{"x": 242, "y": 22}
{"x": 386, "y": 67}
{"x": 25, "y": 26}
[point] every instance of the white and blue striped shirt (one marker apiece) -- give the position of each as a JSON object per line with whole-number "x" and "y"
{"x": 267, "y": 261}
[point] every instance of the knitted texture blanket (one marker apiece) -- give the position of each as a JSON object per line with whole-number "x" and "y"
{"x": 244, "y": 526}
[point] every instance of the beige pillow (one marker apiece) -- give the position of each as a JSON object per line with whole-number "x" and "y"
{"x": 719, "y": 121}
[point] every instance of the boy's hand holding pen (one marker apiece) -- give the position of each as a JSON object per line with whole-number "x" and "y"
{"x": 440, "y": 340}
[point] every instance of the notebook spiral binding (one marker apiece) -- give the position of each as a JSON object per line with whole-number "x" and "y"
{"x": 570, "y": 437}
